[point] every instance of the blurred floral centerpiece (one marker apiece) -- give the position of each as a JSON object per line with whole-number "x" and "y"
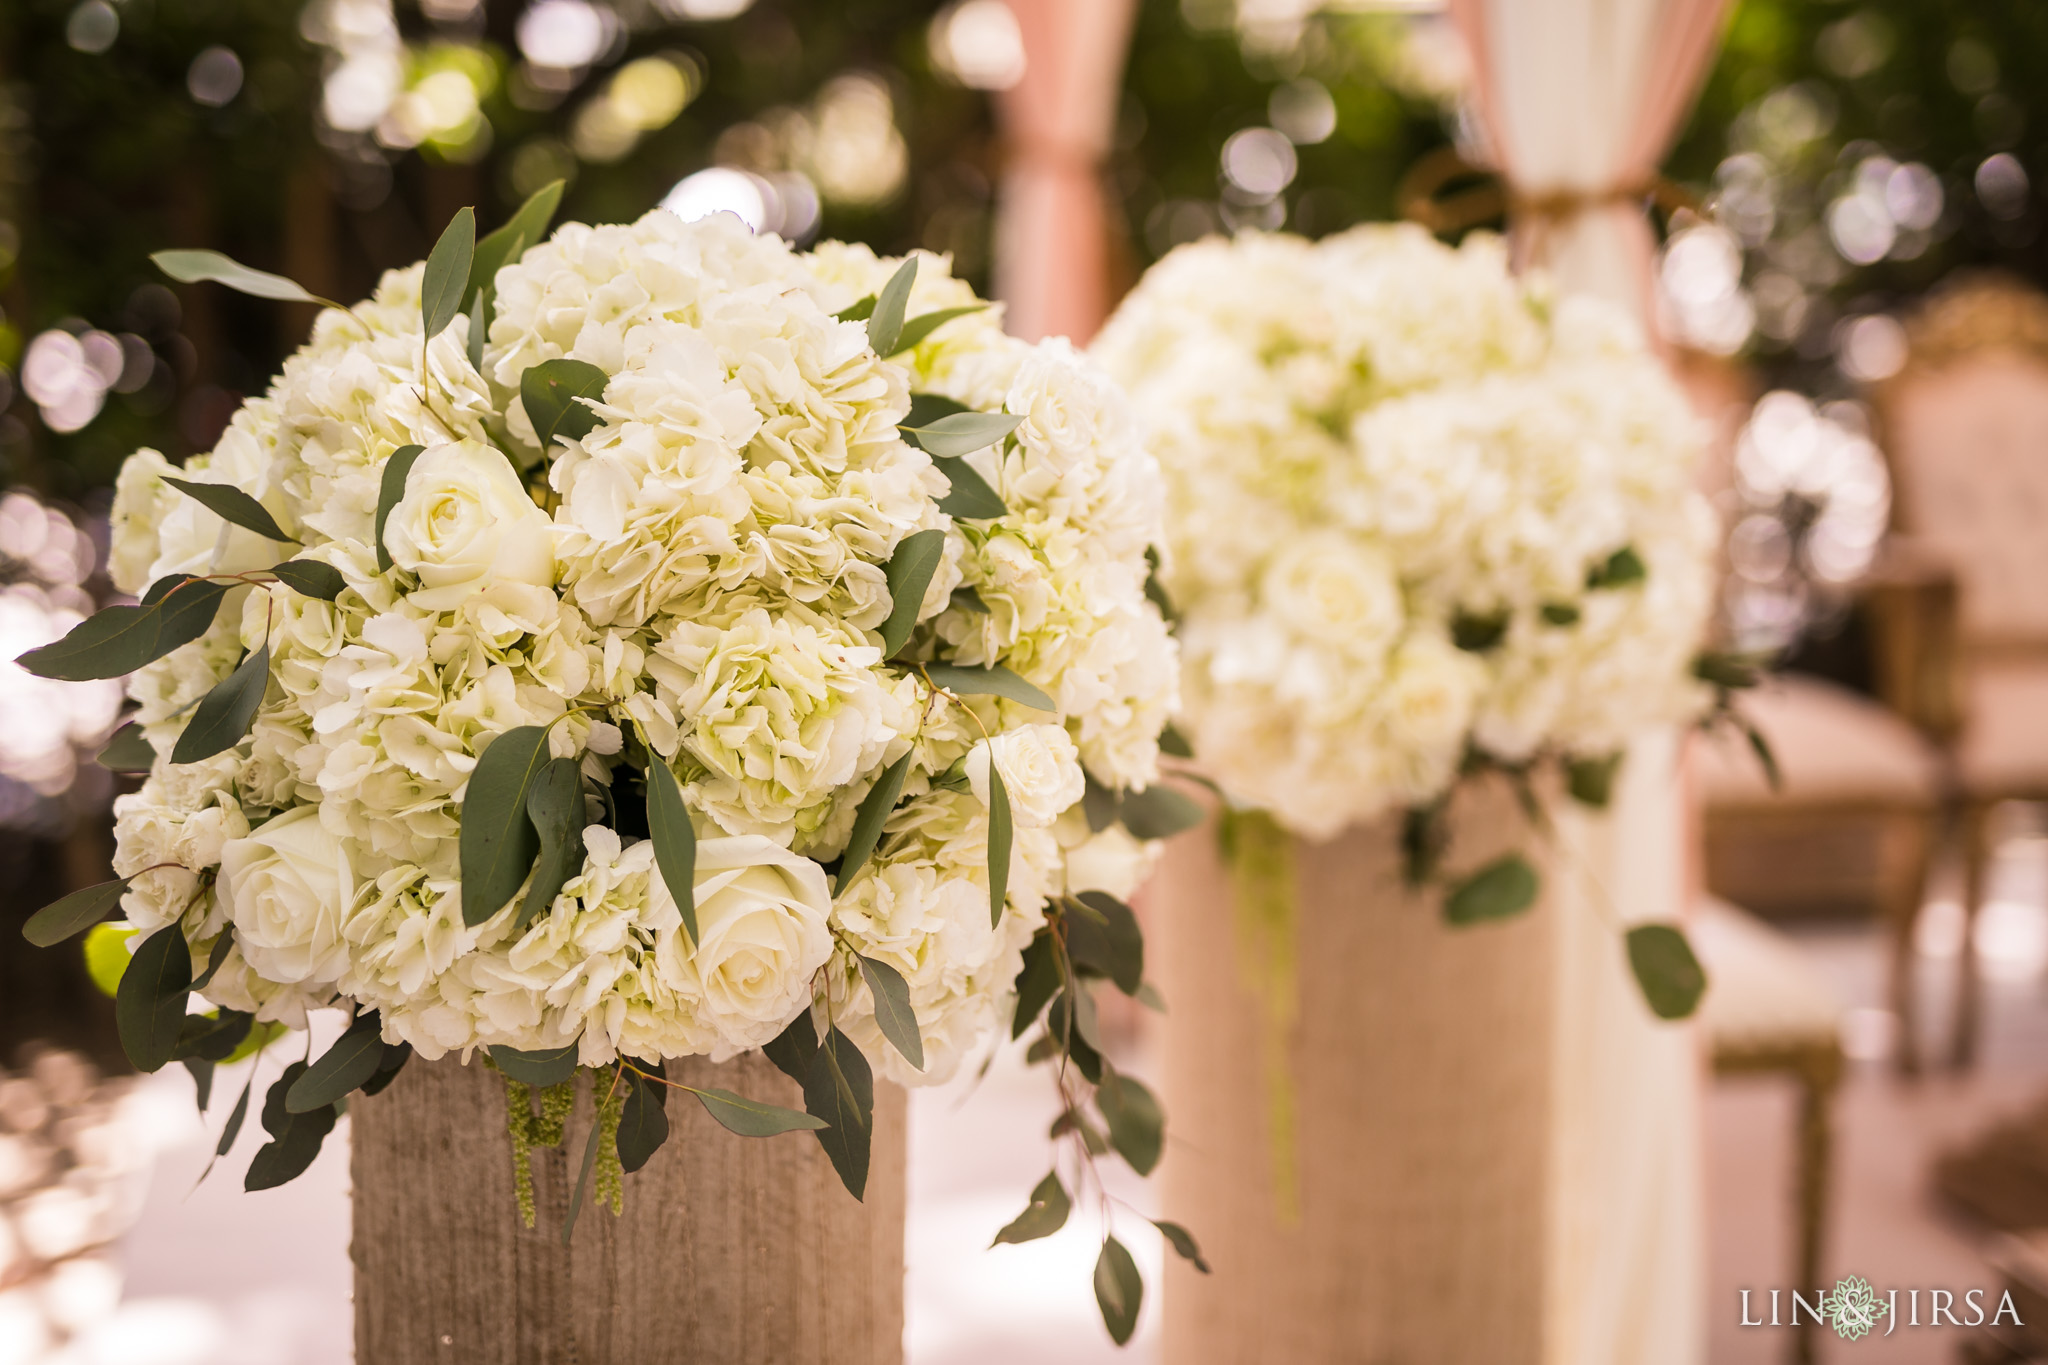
{"x": 644, "y": 643}
{"x": 1424, "y": 520}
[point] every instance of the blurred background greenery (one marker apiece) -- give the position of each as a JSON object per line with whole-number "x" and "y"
{"x": 1847, "y": 156}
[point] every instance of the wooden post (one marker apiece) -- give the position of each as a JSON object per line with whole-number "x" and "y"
{"x": 740, "y": 1251}
{"x": 1419, "y": 1067}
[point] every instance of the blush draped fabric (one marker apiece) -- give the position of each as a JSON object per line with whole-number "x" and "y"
{"x": 1052, "y": 216}
{"x": 1580, "y": 100}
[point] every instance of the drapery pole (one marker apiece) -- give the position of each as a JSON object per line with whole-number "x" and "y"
{"x": 1052, "y": 247}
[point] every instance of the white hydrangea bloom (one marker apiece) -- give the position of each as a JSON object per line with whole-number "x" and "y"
{"x": 698, "y": 580}
{"x": 1378, "y": 449}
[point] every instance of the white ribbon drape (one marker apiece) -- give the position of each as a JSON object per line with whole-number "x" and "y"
{"x": 1580, "y": 99}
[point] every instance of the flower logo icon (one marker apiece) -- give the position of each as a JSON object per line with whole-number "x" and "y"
{"x": 1853, "y": 1309}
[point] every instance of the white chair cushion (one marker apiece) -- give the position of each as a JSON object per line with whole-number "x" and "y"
{"x": 1831, "y": 745}
{"x": 1762, "y": 993}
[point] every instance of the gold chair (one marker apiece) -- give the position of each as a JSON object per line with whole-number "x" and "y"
{"x": 1766, "y": 1012}
{"x": 1853, "y": 824}
{"x": 1965, "y": 427}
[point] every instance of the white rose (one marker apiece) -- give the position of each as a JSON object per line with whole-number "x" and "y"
{"x": 1041, "y": 771}
{"x": 1111, "y": 861}
{"x": 465, "y": 524}
{"x": 1330, "y": 588}
{"x": 288, "y": 886}
{"x": 762, "y": 935}
{"x": 141, "y": 498}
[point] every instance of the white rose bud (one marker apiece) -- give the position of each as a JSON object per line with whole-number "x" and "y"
{"x": 466, "y": 524}
{"x": 287, "y": 886}
{"x": 1041, "y": 771}
{"x": 762, "y": 934}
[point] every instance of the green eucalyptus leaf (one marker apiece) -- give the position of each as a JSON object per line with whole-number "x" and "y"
{"x": 869, "y": 819}
{"x": 970, "y": 498}
{"x": 1155, "y": 588}
{"x": 342, "y": 1069}
{"x": 960, "y": 433}
{"x": 193, "y": 267}
{"x": 1099, "y": 804}
{"x": 753, "y": 1118}
{"x": 967, "y": 599}
{"x": 675, "y": 839}
{"x": 75, "y": 913}
{"x": 839, "y": 1088}
{"x": 924, "y": 324}
{"x": 1503, "y": 888}
{"x": 792, "y": 1049}
{"x": 225, "y": 714}
{"x": 1476, "y": 634}
{"x": 1728, "y": 671}
{"x": 1037, "y": 981}
{"x": 149, "y": 1006}
{"x": 223, "y": 944}
{"x": 1670, "y": 976}
{"x": 295, "y": 1138}
{"x": 396, "y": 1055}
{"x": 1137, "y": 1125}
{"x": 583, "y": 1176}
{"x": 202, "y": 1079}
{"x": 1076, "y": 1122}
{"x": 860, "y": 310}
{"x": 1159, "y": 812}
{"x": 1766, "y": 757}
{"x": 498, "y": 843}
{"x": 236, "y": 1117}
{"x": 212, "y": 1038}
{"x": 1042, "y": 1217}
{"x": 128, "y": 750}
{"x": 1112, "y": 944}
{"x": 885, "y": 323}
{"x": 643, "y": 1123}
{"x": 118, "y": 640}
{"x": 445, "y": 282}
{"x": 536, "y": 1069}
{"x": 1591, "y": 780}
{"x": 1000, "y": 835}
{"x": 909, "y": 572}
{"x": 554, "y": 806}
{"x": 310, "y": 578}
{"x": 553, "y": 393}
{"x": 230, "y": 503}
{"x": 1620, "y": 569}
{"x": 391, "y": 492}
{"x": 1560, "y": 613}
{"x": 479, "y": 324}
{"x": 1072, "y": 1017}
{"x": 926, "y": 408}
{"x": 501, "y": 246}
{"x": 893, "y": 1014}
{"x": 993, "y": 681}
{"x": 1175, "y": 744}
{"x": 1119, "y": 1290}
{"x": 1183, "y": 1242}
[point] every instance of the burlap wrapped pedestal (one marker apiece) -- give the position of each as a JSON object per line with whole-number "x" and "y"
{"x": 1405, "y": 1220}
{"x": 739, "y": 1251}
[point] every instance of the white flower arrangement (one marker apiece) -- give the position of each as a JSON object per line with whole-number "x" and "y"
{"x": 1423, "y": 519}
{"x": 690, "y": 647}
